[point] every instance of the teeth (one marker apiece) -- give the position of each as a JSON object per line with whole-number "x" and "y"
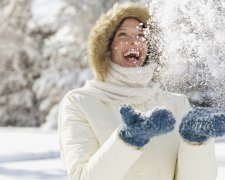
{"x": 132, "y": 52}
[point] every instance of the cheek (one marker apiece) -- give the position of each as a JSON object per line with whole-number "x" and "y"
{"x": 144, "y": 48}
{"x": 117, "y": 44}
{"x": 117, "y": 47}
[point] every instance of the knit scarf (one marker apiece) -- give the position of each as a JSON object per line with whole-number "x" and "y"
{"x": 124, "y": 85}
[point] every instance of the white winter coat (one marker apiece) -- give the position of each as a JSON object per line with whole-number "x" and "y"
{"x": 92, "y": 150}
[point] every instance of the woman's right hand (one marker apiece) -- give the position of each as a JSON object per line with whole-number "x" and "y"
{"x": 138, "y": 128}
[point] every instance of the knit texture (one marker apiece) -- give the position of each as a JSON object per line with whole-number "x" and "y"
{"x": 138, "y": 128}
{"x": 202, "y": 123}
{"x": 124, "y": 84}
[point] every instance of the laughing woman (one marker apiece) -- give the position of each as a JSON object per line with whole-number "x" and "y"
{"x": 120, "y": 126}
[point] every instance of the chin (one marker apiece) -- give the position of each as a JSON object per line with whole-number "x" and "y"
{"x": 131, "y": 64}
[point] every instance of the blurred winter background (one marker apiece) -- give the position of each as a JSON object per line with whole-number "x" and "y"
{"x": 43, "y": 55}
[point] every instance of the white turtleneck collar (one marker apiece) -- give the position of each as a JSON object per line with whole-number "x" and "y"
{"x": 124, "y": 85}
{"x": 137, "y": 77}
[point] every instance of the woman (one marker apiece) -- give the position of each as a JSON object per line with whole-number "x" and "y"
{"x": 101, "y": 138}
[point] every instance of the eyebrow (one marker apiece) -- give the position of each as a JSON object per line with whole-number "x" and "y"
{"x": 122, "y": 29}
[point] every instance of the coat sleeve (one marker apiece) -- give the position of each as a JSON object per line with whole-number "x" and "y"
{"x": 80, "y": 151}
{"x": 194, "y": 161}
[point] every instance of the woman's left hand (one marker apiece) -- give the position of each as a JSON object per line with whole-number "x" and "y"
{"x": 202, "y": 123}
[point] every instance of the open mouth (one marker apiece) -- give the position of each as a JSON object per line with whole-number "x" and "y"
{"x": 132, "y": 55}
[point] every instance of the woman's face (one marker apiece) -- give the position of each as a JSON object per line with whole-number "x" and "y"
{"x": 129, "y": 46}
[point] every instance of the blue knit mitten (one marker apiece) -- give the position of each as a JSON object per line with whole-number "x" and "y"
{"x": 138, "y": 128}
{"x": 202, "y": 123}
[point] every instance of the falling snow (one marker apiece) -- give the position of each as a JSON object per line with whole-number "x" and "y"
{"x": 194, "y": 43}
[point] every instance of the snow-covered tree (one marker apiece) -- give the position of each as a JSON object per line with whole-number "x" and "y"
{"x": 18, "y": 67}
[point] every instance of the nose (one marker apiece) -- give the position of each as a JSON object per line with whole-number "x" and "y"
{"x": 134, "y": 40}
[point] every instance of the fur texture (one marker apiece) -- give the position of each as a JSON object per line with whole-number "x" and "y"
{"x": 138, "y": 128}
{"x": 98, "y": 43}
{"x": 202, "y": 123}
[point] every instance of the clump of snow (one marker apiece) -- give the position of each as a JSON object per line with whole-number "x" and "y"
{"x": 193, "y": 48}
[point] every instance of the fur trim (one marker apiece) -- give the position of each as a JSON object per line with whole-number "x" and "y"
{"x": 98, "y": 43}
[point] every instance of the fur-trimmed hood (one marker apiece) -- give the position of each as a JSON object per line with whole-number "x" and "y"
{"x": 99, "y": 38}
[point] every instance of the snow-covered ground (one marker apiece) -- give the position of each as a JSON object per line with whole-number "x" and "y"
{"x": 29, "y": 153}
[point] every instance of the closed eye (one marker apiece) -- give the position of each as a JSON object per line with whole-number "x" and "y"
{"x": 121, "y": 34}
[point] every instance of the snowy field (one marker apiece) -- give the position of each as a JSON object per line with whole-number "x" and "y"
{"x": 28, "y": 153}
